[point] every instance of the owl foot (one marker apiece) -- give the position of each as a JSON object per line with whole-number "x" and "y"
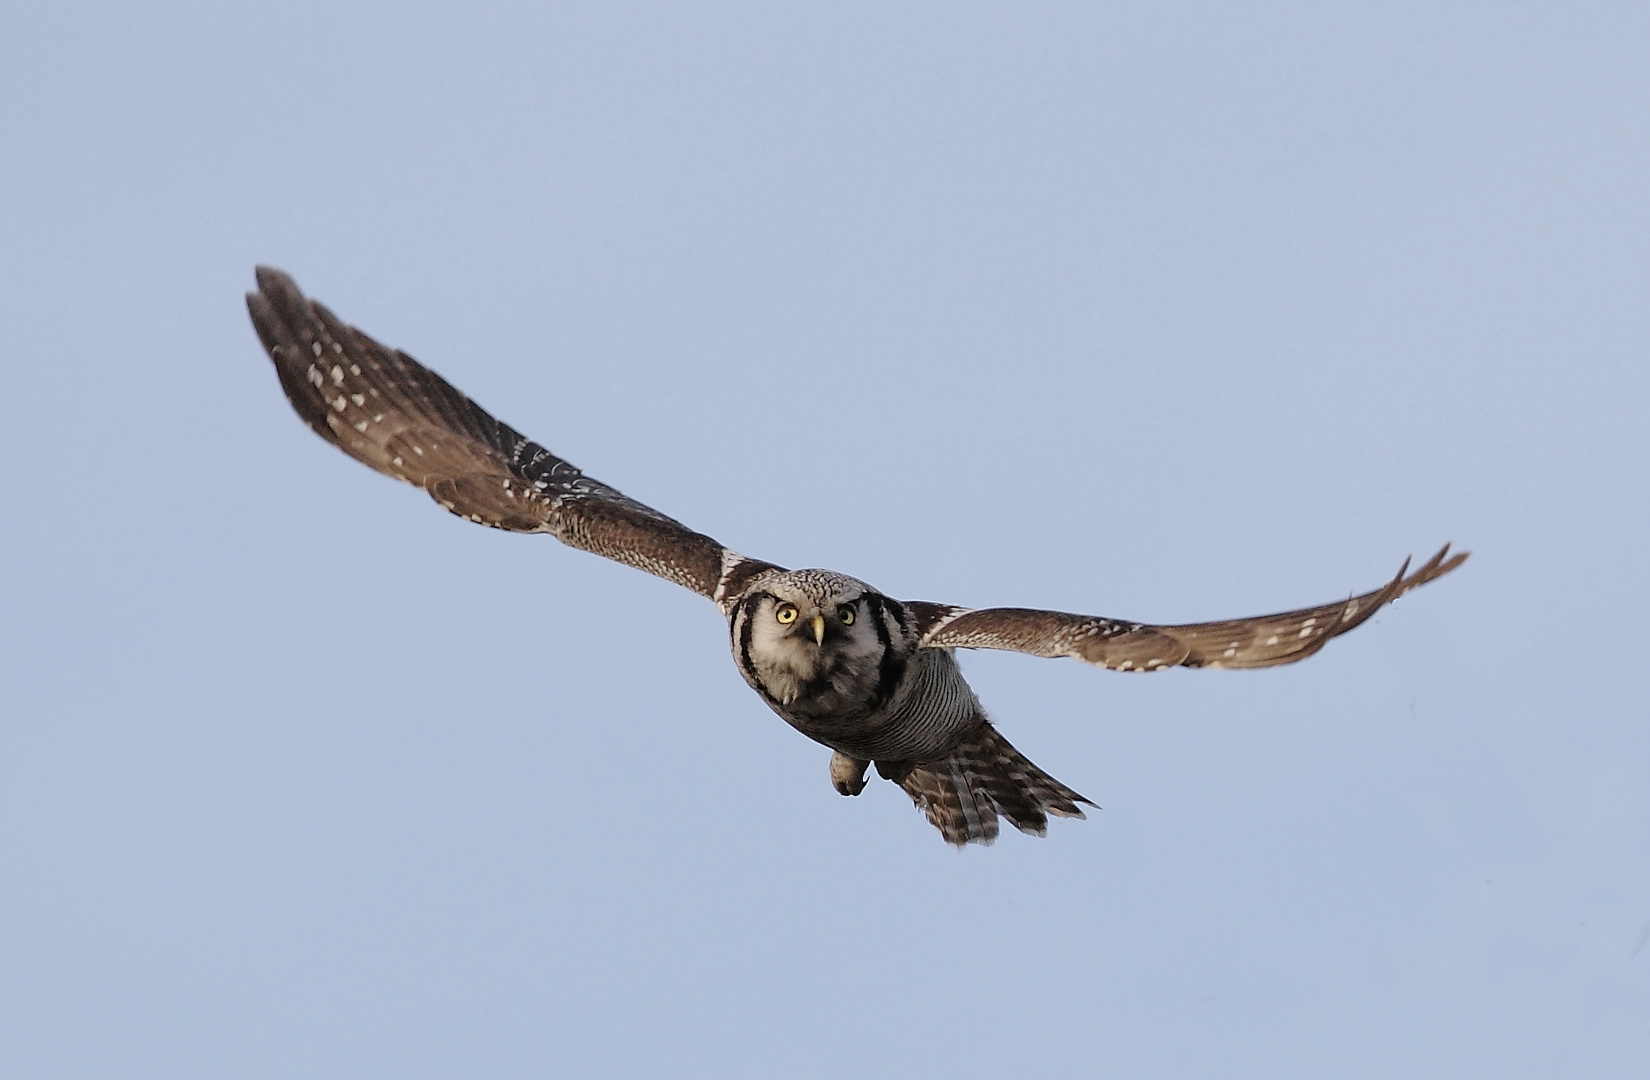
{"x": 848, "y": 774}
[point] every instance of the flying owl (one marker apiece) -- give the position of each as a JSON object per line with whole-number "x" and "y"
{"x": 873, "y": 678}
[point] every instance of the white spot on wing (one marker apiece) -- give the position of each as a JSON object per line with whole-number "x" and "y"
{"x": 945, "y": 621}
{"x": 730, "y": 561}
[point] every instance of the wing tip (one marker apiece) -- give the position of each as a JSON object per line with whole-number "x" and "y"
{"x": 273, "y": 279}
{"x": 1441, "y": 563}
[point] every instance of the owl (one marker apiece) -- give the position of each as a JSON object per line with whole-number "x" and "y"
{"x": 872, "y": 678}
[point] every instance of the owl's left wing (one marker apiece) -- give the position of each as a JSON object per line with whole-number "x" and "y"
{"x": 1130, "y": 646}
{"x": 393, "y": 414}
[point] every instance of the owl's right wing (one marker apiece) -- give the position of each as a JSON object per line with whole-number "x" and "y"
{"x": 388, "y": 411}
{"x": 1130, "y": 646}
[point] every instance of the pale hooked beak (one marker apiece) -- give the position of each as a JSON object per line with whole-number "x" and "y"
{"x": 819, "y": 629}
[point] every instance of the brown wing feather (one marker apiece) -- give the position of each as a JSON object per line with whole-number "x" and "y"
{"x": 1129, "y": 646}
{"x": 388, "y": 411}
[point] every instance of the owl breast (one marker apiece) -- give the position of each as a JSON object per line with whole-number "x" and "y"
{"x": 931, "y": 705}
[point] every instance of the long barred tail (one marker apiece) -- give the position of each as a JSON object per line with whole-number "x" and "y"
{"x": 981, "y": 777}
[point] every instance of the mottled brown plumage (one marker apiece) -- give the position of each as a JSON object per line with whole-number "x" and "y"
{"x": 388, "y": 411}
{"x": 871, "y": 677}
{"x": 1262, "y": 641}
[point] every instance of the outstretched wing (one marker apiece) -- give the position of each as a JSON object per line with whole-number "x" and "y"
{"x": 1130, "y": 646}
{"x": 388, "y": 411}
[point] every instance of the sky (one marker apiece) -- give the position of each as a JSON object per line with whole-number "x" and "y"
{"x": 1166, "y": 312}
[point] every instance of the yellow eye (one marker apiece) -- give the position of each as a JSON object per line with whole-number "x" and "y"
{"x": 846, "y": 614}
{"x": 785, "y": 613}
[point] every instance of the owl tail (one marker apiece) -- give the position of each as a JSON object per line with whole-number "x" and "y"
{"x": 980, "y": 777}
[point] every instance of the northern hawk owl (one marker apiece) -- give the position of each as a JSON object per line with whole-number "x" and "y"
{"x": 873, "y": 678}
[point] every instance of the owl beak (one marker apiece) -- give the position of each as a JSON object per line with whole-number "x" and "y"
{"x": 819, "y": 629}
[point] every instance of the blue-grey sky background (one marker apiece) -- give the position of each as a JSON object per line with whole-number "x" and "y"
{"x": 1158, "y": 311}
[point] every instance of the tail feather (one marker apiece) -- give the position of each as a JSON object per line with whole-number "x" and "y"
{"x": 983, "y": 776}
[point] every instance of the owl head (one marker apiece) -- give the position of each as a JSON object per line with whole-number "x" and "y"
{"x": 808, "y": 640}
{"x": 813, "y": 605}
